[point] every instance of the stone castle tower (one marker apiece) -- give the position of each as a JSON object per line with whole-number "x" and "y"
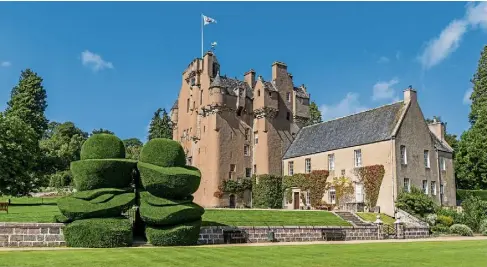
{"x": 233, "y": 129}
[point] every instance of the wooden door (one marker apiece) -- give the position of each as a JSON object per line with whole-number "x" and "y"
{"x": 296, "y": 200}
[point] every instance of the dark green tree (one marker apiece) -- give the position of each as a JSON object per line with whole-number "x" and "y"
{"x": 18, "y": 148}
{"x": 100, "y": 131}
{"x": 28, "y": 101}
{"x": 314, "y": 114}
{"x": 471, "y": 154}
{"x": 160, "y": 127}
{"x": 132, "y": 148}
{"x": 479, "y": 93}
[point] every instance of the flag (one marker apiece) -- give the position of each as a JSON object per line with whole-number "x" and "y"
{"x": 208, "y": 20}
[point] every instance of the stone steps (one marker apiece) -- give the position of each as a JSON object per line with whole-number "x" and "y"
{"x": 350, "y": 217}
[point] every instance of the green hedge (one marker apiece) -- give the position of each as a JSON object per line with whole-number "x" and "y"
{"x": 267, "y": 193}
{"x": 463, "y": 193}
{"x": 103, "y": 146}
{"x": 170, "y": 215}
{"x": 92, "y": 194}
{"x": 99, "y": 233}
{"x": 157, "y": 201}
{"x": 102, "y": 173}
{"x": 75, "y": 208}
{"x": 170, "y": 182}
{"x": 163, "y": 152}
{"x": 102, "y": 199}
{"x": 181, "y": 235}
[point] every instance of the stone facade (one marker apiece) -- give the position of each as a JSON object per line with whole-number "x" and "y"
{"x": 31, "y": 235}
{"x": 231, "y": 128}
{"x": 416, "y": 232}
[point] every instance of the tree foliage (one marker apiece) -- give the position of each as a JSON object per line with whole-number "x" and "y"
{"x": 415, "y": 202}
{"x": 100, "y": 131}
{"x": 18, "y": 145}
{"x": 160, "y": 125}
{"x": 28, "y": 101}
{"x": 471, "y": 154}
{"x": 371, "y": 177}
{"x": 132, "y": 148}
{"x": 314, "y": 114}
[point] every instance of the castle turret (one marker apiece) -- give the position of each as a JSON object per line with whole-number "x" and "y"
{"x": 216, "y": 91}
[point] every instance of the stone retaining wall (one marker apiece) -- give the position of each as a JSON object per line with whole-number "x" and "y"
{"x": 220, "y": 235}
{"x": 31, "y": 235}
{"x": 416, "y": 232}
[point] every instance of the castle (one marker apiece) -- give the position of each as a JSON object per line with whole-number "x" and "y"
{"x": 231, "y": 128}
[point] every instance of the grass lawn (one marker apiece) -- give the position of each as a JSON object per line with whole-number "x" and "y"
{"x": 236, "y": 217}
{"x": 40, "y": 214}
{"x": 446, "y": 254}
{"x": 371, "y": 217}
{"x": 30, "y": 200}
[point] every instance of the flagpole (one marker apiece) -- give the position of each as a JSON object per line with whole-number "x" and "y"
{"x": 202, "y": 36}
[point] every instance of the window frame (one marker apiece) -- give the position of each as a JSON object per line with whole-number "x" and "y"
{"x": 404, "y": 155}
{"x": 425, "y": 188}
{"x": 357, "y": 155}
{"x": 433, "y": 188}
{"x": 307, "y": 165}
{"x": 427, "y": 163}
{"x": 331, "y": 163}
{"x": 246, "y": 150}
{"x": 407, "y": 186}
{"x": 290, "y": 168}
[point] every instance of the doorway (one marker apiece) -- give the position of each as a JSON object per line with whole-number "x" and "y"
{"x": 232, "y": 201}
{"x": 296, "y": 200}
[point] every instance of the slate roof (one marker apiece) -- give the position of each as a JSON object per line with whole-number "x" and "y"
{"x": 441, "y": 145}
{"x": 231, "y": 84}
{"x": 300, "y": 92}
{"x": 271, "y": 86}
{"x": 366, "y": 127}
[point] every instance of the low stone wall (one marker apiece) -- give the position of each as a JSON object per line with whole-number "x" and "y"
{"x": 226, "y": 234}
{"x": 416, "y": 232}
{"x": 31, "y": 235}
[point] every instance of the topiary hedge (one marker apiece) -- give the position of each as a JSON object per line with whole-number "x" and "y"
{"x": 157, "y": 201}
{"x": 76, "y": 208}
{"x": 99, "y": 233}
{"x": 102, "y": 173}
{"x": 102, "y": 146}
{"x": 461, "y": 229}
{"x": 185, "y": 234}
{"x": 163, "y": 152}
{"x": 170, "y": 215}
{"x": 171, "y": 182}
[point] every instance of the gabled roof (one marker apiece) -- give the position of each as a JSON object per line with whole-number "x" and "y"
{"x": 441, "y": 145}
{"x": 230, "y": 85}
{"x": 370, "y": 126}
{"x": 300, "y": 92}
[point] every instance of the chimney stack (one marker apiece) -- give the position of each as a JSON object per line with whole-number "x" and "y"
{"x": 410, "y": 95}
{"x": 438, "y": 129}
{"x": 249, "y": 78}
{"x": 279, "y": 69}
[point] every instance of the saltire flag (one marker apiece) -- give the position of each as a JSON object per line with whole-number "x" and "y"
{"x": 208, "y": 20}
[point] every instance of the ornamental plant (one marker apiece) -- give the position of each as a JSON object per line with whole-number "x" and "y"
{"x": 371, "y": 177}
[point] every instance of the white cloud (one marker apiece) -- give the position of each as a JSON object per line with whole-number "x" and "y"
{"x": 477, "y": 14}
{"x": 5, "y": 64}
{"x": 442, "y": 46}
{"x": 348, "y": 105}
{"x": 384, "y": 89}
{"x": 466, "y": 97}
{"x": 94, "y": 61}
{"x": 383, "y": 60}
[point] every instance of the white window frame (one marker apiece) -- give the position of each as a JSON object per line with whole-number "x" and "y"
{"x": 443, "y": 164}
{"x": 407, "y": 186}
{"x": 404, "y": 155}
{"x": 425, "y": 186}
{"x": 290, "y": 168}
{"x": 433, "y": 188}
{"x": 427, "y": 163}
{"x": 288, "y": 96}
{"x": 307, "y": 165}
{"x": 308, "y": 198}
{"x": 359, "y": 194}
{"x": 442, "y": 189}
{"x": 357, "y": 158}
{"x": 332, "y": 195}
{"x": 331, "y": 162}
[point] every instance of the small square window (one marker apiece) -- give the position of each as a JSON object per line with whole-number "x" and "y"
{"x": 248, "y": 172}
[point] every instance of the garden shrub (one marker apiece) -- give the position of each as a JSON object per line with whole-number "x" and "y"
{"x": 431, "y": 219}
{"x": 457, "y": 217}
{"x": 60, "y": 179}
{"x": 184, "y": 234}
{"x": 102, "y": 146}
{"x": 61, "y": 219}
{"x": 462, "y": 194}
{"x": 170, "y": 215}
{"x": 163, "y": 152}
{"x": 157, "y": 201}
{"x": 416, "y": 202}
{"x": 102, "y": 199}
{"x": 474, "y": 212}
{"x": 440, "y": 229}
{"x": 75, "y": 208}
{"x": 483, "y": 226}
{"x": 92, "y": 194}
{"x": 99, "y": 233}
{"x": 170, "y": 182}
{"x": 444, "y": 220}
{"x": 461, "y": 229}
{"x": 267, "y": 191}
{"x": 102, "y": 173}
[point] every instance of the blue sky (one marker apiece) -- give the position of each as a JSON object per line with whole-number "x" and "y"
{"x": 111, "y": 65}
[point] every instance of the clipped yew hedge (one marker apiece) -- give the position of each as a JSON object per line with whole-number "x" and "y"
{"x": 99, "y": 233}
{"x": 170, "y": 182}
{"x": 185, "y": 234}
{"x": 92, "y": 194}
{"x": 102, "y": 173}
{"x": 163, "y": 152}
{"x": 170, "y": 215}
{"x": 103, "y": 146}
{"x": 157, "y": 201}
{"x": 75, "y": 208}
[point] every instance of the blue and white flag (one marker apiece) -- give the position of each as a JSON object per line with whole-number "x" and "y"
{"x": 208, "y": 20}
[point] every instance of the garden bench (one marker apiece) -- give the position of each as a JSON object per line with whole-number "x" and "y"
{"x": 4, "y": 206}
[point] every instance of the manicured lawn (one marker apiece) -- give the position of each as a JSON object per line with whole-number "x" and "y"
{"x": 40, "y": 214}
{"x": 446, "y": 254}
{"x": 271, "y": 218}
{"x": 29, "y": 200}
{"x": 371, "y": 217}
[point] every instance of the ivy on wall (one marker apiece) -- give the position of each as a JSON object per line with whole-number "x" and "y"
{"x": 371, "y": 177}
{"x": 267, "y": 191}
{"x": 343, "y": 189}
{"x": 237, "y": 187}
{"x": 314, "y": 182}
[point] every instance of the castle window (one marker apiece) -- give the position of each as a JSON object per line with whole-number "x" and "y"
{"x": 255, "y": 169}
{"x": 201, "y": 97}
{"x": 247, "y": 134}
{"x": 246, "y": 150}
{"x": 256, "y": 138}
{"x": 187, "y": 105}
{"x": 270, "y": 93}
{"x": 258, "y": 92}
{"x": 288, "y": 97}
{"x": 193, "y": 81}
{"x": 404, "y": 157}
{"x": 288, "y": 116}
{"x": 248, "y": 172}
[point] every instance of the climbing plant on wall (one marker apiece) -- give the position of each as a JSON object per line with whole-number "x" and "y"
{"x": 314, "y": 182}
{"x": 267, "y": 191}
{"x": 237, "y": 187}
{"x": 371, "y": 177}
{"x": 343, "y": 188}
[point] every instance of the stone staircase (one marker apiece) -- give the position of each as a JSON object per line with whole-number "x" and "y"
{"x": 352, "y": 218}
